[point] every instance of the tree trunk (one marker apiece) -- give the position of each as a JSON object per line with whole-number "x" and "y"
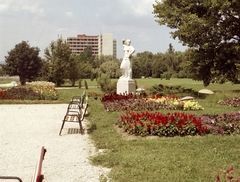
{"x": 22, "y": 80}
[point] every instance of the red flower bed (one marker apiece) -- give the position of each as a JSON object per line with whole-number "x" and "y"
{"x": 171, "y": 124}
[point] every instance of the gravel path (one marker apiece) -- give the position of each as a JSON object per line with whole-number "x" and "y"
{"x": 24, "y": 129}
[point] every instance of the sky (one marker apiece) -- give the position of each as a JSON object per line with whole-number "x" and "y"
{"x": 41, "y": 21}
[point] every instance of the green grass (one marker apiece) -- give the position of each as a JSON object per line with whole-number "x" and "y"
{"x": 150, "y": 159}
{"x": 161, "y": 159}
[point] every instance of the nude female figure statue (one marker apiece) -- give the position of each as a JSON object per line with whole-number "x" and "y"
{"x": 126, "y": 65}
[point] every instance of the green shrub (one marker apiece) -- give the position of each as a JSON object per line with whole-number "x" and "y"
{"x": 165, "y": 90}
{"x": 166, "y": 75}
{"x": 106, "y": 85}
{"x": 86, "y": 85}
{"x": 181, "y": 74}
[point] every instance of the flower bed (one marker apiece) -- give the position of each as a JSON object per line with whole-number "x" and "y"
{"x": 227, "y": 175}
{"x": 115, "y": 102}
{"x": 175, "y": 124}
{"x": 41, "y": 83}
{"x": 234, "y": 102}
{"x": 223, "y": 124}
{"x": 171, "y": 124}
{"x": 46, "y": 93}
{"x": 35, "y": 91}
{"x": 19, "y": 93}
{"x": 179, "y": 124}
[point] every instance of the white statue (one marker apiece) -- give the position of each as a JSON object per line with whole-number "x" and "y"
{"x": 126, "y": 65}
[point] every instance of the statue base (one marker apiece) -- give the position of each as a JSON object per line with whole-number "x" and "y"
{"x": 126, "y": 86}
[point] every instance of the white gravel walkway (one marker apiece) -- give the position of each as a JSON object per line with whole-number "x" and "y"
{"x": 24, "y": 129}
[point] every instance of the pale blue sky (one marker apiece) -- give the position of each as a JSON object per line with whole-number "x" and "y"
{"x": 41, "y": 21}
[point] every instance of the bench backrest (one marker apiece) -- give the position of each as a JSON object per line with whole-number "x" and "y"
{"x": 38, "y": 177}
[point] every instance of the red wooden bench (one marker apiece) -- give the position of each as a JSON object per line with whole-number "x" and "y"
{"x": 38, "y": 177}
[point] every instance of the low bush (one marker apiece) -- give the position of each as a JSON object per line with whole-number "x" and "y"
{"x": 164, "y": 90}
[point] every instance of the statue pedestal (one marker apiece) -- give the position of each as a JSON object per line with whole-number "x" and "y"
{"x": 126, "y": 86}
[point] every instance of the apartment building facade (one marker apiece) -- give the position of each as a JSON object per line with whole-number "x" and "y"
{"x": 102, "y": 44}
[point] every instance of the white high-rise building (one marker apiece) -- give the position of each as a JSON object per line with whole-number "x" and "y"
{"x": 102, "y": 44}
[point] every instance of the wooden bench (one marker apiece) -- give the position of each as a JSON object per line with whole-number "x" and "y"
{"x": 37, "y": 177}
{"x": 76, "y": 112}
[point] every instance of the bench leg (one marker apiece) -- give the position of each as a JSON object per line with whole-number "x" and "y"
{"x": 81, "y": 128}
{"x": 61, "y": 127}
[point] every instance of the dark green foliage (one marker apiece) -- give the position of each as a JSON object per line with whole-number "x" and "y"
{"x": 166, "y": 75}
{"x": 211, "y": 29}
{"x": 58, "y": 57}
{"x": 110, "y": 88}
{"x": 106, "y": 85}
{"x": 23, "y": 61}
{"x": 165, "y": 90}
{"x": 86, "y": 85}
{"x": 182, "y": 74}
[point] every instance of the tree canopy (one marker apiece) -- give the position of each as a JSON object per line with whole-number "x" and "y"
{"x": 58, "y": 56}
{"x": 211, "y": 29}
{"x": 23, "y": 61}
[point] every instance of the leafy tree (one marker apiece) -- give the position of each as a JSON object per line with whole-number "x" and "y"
{"x": 44, "y": 71}
{"x": 111, "y": 68}
{"x": 106, "y": 65}
{"x": 73, "y": 73}
{"x": 58, "y": 55}
{"x": 145, "y": 60}
{"x": 158, "y": 66}
{"x": 87, "y": 55}
{"x": 99, "y": 60}
{"x": 211, "y": 29}
{"x": 136, "y": 71}
{"x": 2, "y": 72}
{"x": 23, "y": 61}
{"x": 80, "y": 68}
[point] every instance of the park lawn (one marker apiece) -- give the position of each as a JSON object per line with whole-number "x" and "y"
{"x": 198, "y": 158}
{"x": 131, "y": 158}
{"x": 150, "y": 159}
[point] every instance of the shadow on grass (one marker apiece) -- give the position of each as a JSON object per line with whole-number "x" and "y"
{"x": 91, "y": 129}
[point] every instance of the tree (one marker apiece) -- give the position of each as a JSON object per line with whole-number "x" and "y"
{"x": 2, "y": 72}
{"x": 80, "y": 68}
{"x": 136, "y": 72}
{"x": 111, "y": 68}
{"x": 73, "y": 73}
{"x": 211, "y": 29}
{"x": 58, "y": 55}
{"x": 23, "y": 61}
{"x": 145, "y": 60}
{"x": 158, "y": 66}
